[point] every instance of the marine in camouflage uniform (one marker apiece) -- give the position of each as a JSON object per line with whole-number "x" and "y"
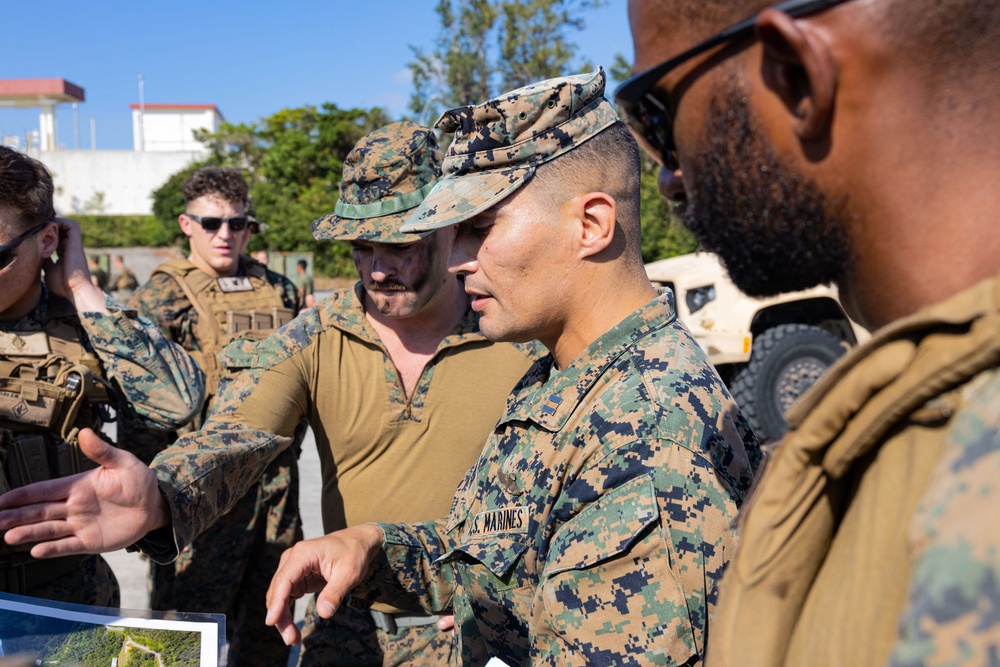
{"x": 145, "y": 378}
{"x": 388, "y": 451}
{"x": 597, "y": 523}
{"x": 224, "y": 569}
{"x": 872, "y": 537}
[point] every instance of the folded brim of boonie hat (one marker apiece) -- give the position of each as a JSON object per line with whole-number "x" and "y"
{"x": 381, "y": 229}
{"x": 460, "y": 197}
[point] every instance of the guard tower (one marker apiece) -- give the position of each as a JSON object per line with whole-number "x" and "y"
{"x": 44, "y": 94}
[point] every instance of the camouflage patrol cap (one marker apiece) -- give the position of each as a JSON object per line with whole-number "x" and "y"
{"x": 386, "y": 174}
{"x": 499, "y": 143}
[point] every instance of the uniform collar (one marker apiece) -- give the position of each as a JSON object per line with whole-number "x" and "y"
{"x": 548, "y": 397}
{"x": 345, "y": 310}
{"x": 48, "y": 307}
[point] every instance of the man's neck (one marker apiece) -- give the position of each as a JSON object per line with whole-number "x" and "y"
{"x": 411, "y": 342}
{"x": 596, "y": 314}
{"x": 921, "y": 238}
{"x": 200, "y": 262}
{"x": 422, "y": 332}
{"x": 27, "y": 303}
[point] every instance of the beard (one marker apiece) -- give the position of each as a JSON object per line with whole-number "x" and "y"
{"x": 386, "y": 286}
{"x": 774, "y": 230}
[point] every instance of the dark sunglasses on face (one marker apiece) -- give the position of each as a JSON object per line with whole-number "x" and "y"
{"x": 650, "y": 119}
{"x": 9, "y": 252}
{"x": 236, "y": 224}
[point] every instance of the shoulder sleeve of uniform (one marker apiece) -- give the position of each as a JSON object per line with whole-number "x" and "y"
{"x": 954, "y": 596}
{"x": 160, "y": 298}
{"x": 289, "y": 293}
{"x": 291, "y": 339}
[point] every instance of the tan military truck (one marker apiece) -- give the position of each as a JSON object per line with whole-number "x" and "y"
{"x": 768, "y": 351}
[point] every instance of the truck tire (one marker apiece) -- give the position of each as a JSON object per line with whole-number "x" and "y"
{"x": 784, "y": 362}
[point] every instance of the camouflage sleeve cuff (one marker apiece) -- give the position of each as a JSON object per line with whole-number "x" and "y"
{"x": 158, "y": 545}
{"x": 110, "y": 331}
{"x": 406, "y": 574}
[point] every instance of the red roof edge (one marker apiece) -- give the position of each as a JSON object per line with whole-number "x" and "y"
{"x": 176, "y": 107}
{"x": 41, "y": 88}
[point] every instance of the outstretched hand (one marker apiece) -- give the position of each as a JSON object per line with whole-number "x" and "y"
{"x": 331, "y": 565}
{"x": 93, "y": 512}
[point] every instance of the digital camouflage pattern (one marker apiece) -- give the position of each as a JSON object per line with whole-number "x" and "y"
{"x": 872, "y": 536}
{"x": 154, "y": 381}
{"x": 499, "y": 143}
{"x": 386, "y": 174}
{"x": 351, "y": 639}
{"x": 955, "y": 588}
{"x": 596, "y": 525}
{"x": 226, "y": 569}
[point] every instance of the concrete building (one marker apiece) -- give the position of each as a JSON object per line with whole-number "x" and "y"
{"x": 112, "y": 182}
{"x": 171, "y": 127}
{"x": 118, "y": 182}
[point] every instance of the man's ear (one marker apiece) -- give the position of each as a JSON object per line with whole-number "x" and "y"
{"x": 185, "y": 224}
{"x": 597, "y": 215}
{"x": 49, "y": 240}
{"x": 799, "y": 67}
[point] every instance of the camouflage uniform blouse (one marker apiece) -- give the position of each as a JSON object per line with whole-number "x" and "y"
{"x": 159, "y": 383}
{"x": 596, "y": 525}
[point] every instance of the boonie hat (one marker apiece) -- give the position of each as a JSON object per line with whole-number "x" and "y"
{"x": 499, "y": 143}
{"x": 386, "y": 175}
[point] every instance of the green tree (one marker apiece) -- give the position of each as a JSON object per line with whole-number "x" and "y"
{"x": 662, "y": 233}
{"x": 293, "y": 160}
{"x": 485, "y": 47}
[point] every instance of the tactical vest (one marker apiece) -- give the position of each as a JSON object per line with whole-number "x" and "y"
{"x": 227, "y": 308}
{"x": 51, "y": 387}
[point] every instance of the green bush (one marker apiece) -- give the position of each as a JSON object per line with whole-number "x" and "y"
{"x": 126, "y": 231}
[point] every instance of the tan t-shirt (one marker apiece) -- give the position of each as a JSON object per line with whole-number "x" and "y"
{"x": 383, "y": 457}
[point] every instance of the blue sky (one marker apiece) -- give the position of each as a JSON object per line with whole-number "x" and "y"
{"x": 250, "y": 58}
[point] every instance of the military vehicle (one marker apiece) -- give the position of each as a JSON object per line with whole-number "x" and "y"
{"x": 768, "y": 351}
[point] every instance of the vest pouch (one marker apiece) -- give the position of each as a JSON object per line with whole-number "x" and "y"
{"x": 237, "y": 322}
{"x": 282, "y": 316}
{"x": 27, "y": 460}
{"x": 261, "y": 320}
{"x": 31, "y": 402}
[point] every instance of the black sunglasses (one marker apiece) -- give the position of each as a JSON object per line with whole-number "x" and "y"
{"x": 9, "y": 251}
{"x": 236, "y": 224}
{"x": 650, "y": 119}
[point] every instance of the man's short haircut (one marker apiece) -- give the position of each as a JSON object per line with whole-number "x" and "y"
{"x": 303, "y": 263}
{"x": 936, "y": 34}
{"x": 608, "y": 162}
{"x": 944, "y": 37}
{"x": 25, "y": 190}
{"x": 226, "y": 183}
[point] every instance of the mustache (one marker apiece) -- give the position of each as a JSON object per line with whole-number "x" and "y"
{"x": 386, "y": 286}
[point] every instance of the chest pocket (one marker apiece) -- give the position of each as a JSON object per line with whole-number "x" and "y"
{"x": 610, "y": 568}
{"x": 605, "y": 529}
{"x": 498, "y": 553}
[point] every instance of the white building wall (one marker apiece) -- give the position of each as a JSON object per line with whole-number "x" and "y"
{"x": 127, "y": 179}
{"x": 173, "y": 129}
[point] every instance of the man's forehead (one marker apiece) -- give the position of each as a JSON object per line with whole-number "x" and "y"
{"x": 214, "y": 200}
{"x": 358, "y": 243}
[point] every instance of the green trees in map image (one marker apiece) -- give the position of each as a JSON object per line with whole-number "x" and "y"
{"x": 61, "y": 642}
